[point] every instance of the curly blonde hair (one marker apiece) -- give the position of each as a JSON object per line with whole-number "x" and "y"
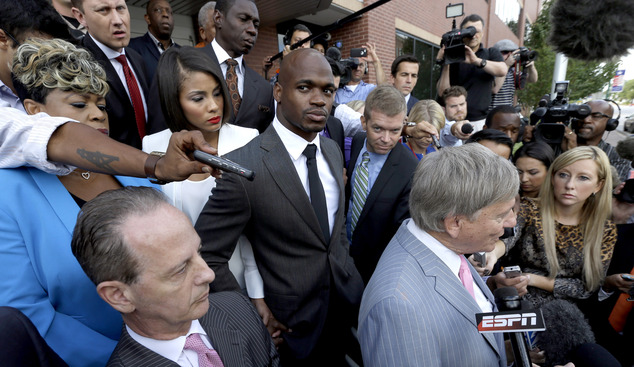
{"x": 42, "y": 65}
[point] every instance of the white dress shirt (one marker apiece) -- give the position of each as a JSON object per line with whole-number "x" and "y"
{"x": 451, "y": 259}
{"x": 222, "y": 56}
{"x": 295, "y": 146}
{"x": 173, "y": 349}
{"x": 111, "y": 55}
{"x": 23, "y": 140}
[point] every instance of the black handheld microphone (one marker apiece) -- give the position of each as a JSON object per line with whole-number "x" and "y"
{"x": 223, "y": 164}
{"x": 507, "y": 299}
{"x": 466, "y": 128}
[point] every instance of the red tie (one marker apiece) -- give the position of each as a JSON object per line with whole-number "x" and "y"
{"x": 135, "y": 95}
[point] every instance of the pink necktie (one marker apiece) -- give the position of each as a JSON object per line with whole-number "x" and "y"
{"x": 465, "y": 276}
{"x": 206, "y": 357}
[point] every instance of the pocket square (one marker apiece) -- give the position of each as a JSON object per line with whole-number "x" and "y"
{"x": 263, "y": 108}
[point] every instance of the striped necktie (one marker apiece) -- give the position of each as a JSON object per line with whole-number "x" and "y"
{"x": 360, "y": 189}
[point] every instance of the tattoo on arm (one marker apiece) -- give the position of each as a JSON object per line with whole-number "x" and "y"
{"x": 100, "y": 160}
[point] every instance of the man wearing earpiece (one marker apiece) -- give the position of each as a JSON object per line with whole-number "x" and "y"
{"x": 356, "y": 88}
{"x": 590, "y": 132}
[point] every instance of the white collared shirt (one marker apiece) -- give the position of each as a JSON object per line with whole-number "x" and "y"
{"x": 222, "y": 56}
{"x": 407, "y": 98}
{"x": 173, "y": 349}
{"x": 111, "y": 55}
{"x": 451, "y": 259}
{"x": 295, "y": 146}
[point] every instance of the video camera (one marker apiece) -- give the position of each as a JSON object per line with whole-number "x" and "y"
{"x": 525, "y": 56}
{"x": 453, "y": 40}
{"x": 557, "y": 109}
{"x": 344, "y": 67}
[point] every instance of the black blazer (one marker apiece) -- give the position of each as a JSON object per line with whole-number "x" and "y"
{"x": 257, "y": 108}
{"x": 234, "y": 328}
{"x": 412, "y": 101}
{"x": 146, "y": 47}
{"x": 386, "y": 207}
{"x": 335, "y": 130}
{"x": 301, "y": 272}
{"x": 120, "y": 112}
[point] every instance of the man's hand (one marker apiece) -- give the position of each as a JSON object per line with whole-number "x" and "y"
{"x": 372, "y": 57}
{"x": 616, "y": 282}
{"x": 456, "y": 130}
{"x": 491, "y": 258}
{"x": 520, "y": 283}
{"x": 470, "y": 56}
{"x": 441, "y": 53}
{"x": 178, "y": 163}
{"x": 274, "y": 327}
{"x": 570, "y": 139}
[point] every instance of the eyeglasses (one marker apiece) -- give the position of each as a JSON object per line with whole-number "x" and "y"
{"x": 160, "y": 11}
{"x": 598, "y": 115}
{"x": 12, "y": 38}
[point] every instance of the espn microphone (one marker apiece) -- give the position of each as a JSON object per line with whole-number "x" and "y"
{"x": 507, "y": 299}
{"x": 592, "y": 30}
{"x": 223, "y": 164}
{"x": 466, "y": 128}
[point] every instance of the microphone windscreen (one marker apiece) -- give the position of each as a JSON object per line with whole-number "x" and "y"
{"x": 334, "y": 53}
{"x": 566, "y": 329}
{"x": 466, "y": 128}
{"x": 592, "y": 30}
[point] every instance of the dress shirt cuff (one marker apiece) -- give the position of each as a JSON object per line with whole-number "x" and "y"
{"x": 603, "y": 294}
{"x": 35, "y": 149}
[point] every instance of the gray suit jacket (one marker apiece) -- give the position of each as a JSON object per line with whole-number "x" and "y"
{"x": 416, "y": 312}
{"x": 301, "y": 272}
{"x": 233, "y": 326}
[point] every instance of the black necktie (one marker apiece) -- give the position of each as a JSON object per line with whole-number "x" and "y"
{"x": 317, "y": 196}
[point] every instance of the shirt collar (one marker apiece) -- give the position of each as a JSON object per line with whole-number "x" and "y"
{"x": 293, "y": 143}
{"x": 158, "y": 43}
{"x": 110, "y": 53}
{"x": 447, "y": 256}
{"x": 223, "y": 55}
{"x": 170, "y": 349}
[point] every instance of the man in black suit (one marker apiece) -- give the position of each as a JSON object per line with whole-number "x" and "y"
{"x": 237, "y": 23}
{"x": 404, "y": 77}
{"x": 108, "y": 25}
{"x": 296, "y": 228}
{"x": 379, "y": 179}
{"x": 143, "y": 255}
{"x": 160, "y": 24}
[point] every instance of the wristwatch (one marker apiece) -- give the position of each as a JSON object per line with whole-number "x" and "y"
{"x": 150, "y": 167}
{"x": 483, "y": 63}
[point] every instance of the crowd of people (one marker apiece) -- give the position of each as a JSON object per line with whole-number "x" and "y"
{"x": 352, "y": 245}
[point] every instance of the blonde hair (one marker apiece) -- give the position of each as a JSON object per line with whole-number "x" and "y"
{"x": 427, "y": 110}
{"x": 595, "y": 211}
{"x": 356, "y": 104}
{"x": 42, "y": 65}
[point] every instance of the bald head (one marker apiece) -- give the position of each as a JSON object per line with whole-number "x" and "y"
{"x": 298, "y": 58}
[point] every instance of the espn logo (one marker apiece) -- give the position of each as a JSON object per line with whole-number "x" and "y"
{"x": 510, "y": 321}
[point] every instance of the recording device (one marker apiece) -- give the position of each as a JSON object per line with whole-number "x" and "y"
{"x": 627, "y": 276}
{"x": 223, "y": 164}
{"x": 359, "y": 52}
{"x": 508, "y": 232}
{"x": 592, "y": 30}
{"x": 347, "y": 65}
{"x": 512, "y": 271}
{"x": 480, "y": 258}
{"x": 435, "y": 142}
{"x": 553, "y": 109}
{"x": 453, "y": 40}
{"x": 524, "y": 56}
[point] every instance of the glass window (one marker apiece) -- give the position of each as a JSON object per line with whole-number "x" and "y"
{"x": 509, "y": 12}
{"x": 425, "y": 52}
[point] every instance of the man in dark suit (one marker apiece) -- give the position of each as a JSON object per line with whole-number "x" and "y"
{"x": 404, "y": 77}
{"x": 160, "y": 24}
{"x": 293, "y": 215}
{"x": 237, "y": 23}
{"x": 379, "y": 179}
{"x": 143, "y": 255}
{"x": 108, "y": 25}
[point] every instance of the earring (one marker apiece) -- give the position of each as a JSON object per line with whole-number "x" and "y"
{"x": 593, "y": 194}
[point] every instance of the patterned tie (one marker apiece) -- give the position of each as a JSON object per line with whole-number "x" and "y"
{"x": 232, "y": 84}
{"x": 360, "y": 189}
{"x": 317, "y": 196}
{"x": 206, "y": 357}
{"x": 135, "y": 95}
{"x": 465, "y": 276}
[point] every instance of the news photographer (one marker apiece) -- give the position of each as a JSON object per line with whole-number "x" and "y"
{"x": 522, "y": 70}
{"x": 476, "y": 73}
{"x": 356, "y": 88}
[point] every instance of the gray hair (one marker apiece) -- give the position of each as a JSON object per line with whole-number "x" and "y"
{"x": 202, "y": 13}
{"x": 98, "y": 243}
{"x": 459, "y": 181}
{"x": 385, "y": 99}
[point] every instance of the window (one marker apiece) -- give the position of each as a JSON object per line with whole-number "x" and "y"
{"x": 509, "y": 12}
{"x": 425, "y": 52}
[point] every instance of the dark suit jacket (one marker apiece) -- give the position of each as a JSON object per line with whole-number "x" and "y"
{"x": 335, "y": 130}
{"x": 257, "y": 108}
{"x": 234, "y": 328}
{"x": 146, "y": 47}
{"x": 412, "y": 101}
{"x": 386, "y": 207}
{"x": 120, "y": 111}
{"x": 301, "y": 272}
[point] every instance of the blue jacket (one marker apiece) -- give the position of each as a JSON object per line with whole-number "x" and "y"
{"x": 39, "y": 274}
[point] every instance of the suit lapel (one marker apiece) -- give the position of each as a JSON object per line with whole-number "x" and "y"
{"x": 149, "y": 43}
{"x": 389, "y": 167}
{"x": 131, "y": 353}
{"x": 111, "y": 75}
{"x": 250, "y": 89}
{"x": 225, "y": 341}
{"x": 58, "y": 197}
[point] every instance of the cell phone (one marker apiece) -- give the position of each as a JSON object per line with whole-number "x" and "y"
{"x": 627, "y": 276}
{"x": 480, "y": 258}
{"x": 223, "y": 164}
{"x": 512, "y": 271}
{"x": 359, "y": 52}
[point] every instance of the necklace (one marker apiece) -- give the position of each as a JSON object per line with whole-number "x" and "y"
{"x": 85, "y": 175}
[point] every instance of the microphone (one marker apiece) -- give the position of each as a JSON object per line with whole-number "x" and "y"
{"x": 466, "y": 128}
{"x": 507, "y": 299}
{"x": 592, "y": 30}
{"x": 223, "y": 164}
